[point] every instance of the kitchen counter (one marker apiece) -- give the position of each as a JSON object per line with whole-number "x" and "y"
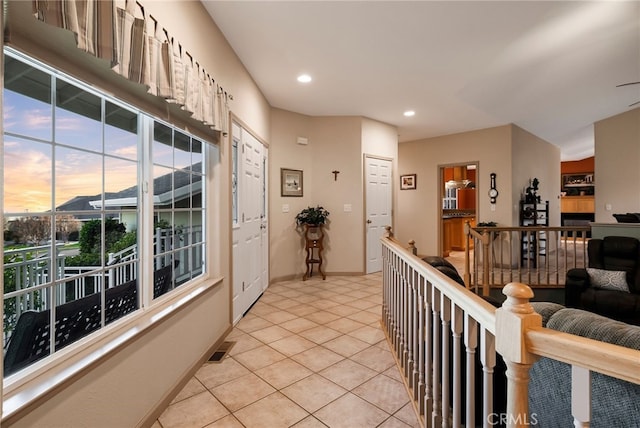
{"x": 457, "y": 214}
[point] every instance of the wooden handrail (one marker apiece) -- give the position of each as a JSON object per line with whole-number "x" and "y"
{"x": 606, "y": 358}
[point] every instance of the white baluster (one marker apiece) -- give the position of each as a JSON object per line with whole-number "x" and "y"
{"x": 488, "y": 359}
{"x": 471, "y": 343}
{"x": 428, "y": 352}
{"x": 436, "y": 418}
{"x": 445, "y": 318}
{"x": 580, "y": 396}
{"x": 419, "y": 396}
{"x": 456, "y": 329}
{"x": 411, "y": 289}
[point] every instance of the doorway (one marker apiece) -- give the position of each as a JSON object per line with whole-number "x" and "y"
{"x": 250, "y": 245}
{"x": 459, "y": 202}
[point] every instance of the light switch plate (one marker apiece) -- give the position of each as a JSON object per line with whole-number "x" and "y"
{"x": 347, "y": 208}
{"x": 285, "y": 208}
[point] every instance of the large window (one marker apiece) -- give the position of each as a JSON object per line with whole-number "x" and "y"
{"x": 83, "y": 175}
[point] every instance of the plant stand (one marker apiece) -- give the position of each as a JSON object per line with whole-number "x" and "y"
{"x": 313, "y": 236}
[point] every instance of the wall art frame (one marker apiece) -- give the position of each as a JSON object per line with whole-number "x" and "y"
{"x": 408, "y": 181}
{"x": 291, "y": 182}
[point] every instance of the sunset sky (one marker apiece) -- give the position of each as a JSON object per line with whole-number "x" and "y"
{"x": 28, "y": 164}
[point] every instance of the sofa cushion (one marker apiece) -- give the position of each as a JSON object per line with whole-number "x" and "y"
{"x": 608, "y": 279}
{"x": 615, "y": 403}
{"x": 597, "y": 327}
{"x": 546, "y": 310}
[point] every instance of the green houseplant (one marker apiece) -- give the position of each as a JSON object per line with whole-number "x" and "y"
{"x": 312, "y": 215}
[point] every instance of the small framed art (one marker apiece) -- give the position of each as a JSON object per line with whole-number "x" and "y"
{"x": 290, "y": 182}
{"x": 408, "y": 181}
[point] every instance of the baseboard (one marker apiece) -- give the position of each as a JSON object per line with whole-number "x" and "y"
{"x": 162, "y": 405}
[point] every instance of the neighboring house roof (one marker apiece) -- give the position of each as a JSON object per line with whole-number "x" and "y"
{"x": 79, "y": 204}
{"x": 182, "y": 182}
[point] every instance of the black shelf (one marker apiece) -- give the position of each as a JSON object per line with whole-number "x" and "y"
{"x": 533, "y": 244}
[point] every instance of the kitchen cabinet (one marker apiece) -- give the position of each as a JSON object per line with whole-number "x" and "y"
{"x": 577, "y": 204}
{"x": 453, "y": 236}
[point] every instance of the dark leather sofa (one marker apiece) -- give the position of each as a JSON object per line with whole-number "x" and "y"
{"x": 614, "y": 253}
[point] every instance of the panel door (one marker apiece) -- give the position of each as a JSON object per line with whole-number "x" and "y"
{"x": 378, "y": 194}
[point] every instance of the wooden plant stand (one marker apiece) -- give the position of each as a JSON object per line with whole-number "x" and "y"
{"x": 314, "y": 236}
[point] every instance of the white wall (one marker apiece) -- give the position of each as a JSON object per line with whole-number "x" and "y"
{"x": 617, "y": 156}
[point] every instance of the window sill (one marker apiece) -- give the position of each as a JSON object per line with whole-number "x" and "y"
{"x": 42, "y": 377}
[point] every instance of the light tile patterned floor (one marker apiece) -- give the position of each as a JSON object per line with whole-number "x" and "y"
{"x": 308, "y": 354}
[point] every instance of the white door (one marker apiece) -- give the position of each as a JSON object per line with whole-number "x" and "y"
{"x": 378, "y": 208}
{"x": 250, "y": 238}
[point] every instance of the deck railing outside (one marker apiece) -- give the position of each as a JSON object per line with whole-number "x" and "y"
{"x": 446, "y": 338}
{"x": 31, "y": 271}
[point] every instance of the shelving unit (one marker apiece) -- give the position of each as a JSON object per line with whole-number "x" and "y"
{"x": 533, "y": 244}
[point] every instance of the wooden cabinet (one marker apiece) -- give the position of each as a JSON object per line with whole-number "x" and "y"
{"x": 577, "y": 204}
{"x": 453, "y": 236}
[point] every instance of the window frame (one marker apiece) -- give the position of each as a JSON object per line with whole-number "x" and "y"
{"x": 37, "y": 379}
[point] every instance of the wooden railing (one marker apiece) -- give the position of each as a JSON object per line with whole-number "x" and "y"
{"x": 538, "y": 256}
{"x": 428, "y": 319}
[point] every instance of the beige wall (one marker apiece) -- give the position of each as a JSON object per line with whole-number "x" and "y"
{"x": 617, "y": 156}
{"x": 334, "y": 144}
{"x": 133, "y": 384}
{"x": 418, "y": 211}
{"x": 535, "y": 158}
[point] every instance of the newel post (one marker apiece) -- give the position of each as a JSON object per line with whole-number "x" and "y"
{"x": 467, "y": 254}
{"x": 389, "y": 232}
{"x": 513, "y": 319}
{"x": 486, "y": 286}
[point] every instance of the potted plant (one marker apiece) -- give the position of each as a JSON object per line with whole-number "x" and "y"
{"x": 313, "y": 216}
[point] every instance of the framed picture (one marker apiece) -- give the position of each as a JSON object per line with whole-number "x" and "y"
{"x": 290, "y": 182}
{"x": 408, "y": 181}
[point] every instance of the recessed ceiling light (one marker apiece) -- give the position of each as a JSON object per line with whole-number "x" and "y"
{"x": 409, "y": 113}
{"x": 304, "y": 78}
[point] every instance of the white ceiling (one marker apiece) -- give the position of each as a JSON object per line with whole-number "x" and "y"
{"x": 549, "y": 67}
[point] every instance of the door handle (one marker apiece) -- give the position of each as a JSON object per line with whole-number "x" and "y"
{"x": 369, "y": 221}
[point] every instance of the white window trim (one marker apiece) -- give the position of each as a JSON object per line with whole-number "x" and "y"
{"x": 20, "y": 389}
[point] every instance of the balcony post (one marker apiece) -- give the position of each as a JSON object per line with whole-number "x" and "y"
{"x": 513, "y": 319}
{"x": 486, "y": 286}
{"x": 413, "y": 248}
{"x": 467, "y": 254}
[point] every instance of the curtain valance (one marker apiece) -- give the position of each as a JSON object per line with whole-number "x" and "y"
{"x": 141, "y": 50}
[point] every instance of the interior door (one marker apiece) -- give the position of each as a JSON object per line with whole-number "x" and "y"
{"x": 378, "y": 196}
{"x": 250, "y": 238}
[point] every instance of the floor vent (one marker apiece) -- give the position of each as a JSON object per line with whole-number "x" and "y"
{"x": 221, "y": 352}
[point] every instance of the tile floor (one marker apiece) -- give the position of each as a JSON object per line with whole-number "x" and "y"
{"x": 307, "y": 354}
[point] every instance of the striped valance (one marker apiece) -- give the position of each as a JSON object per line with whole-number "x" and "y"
{"x": 141, "y": 50}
